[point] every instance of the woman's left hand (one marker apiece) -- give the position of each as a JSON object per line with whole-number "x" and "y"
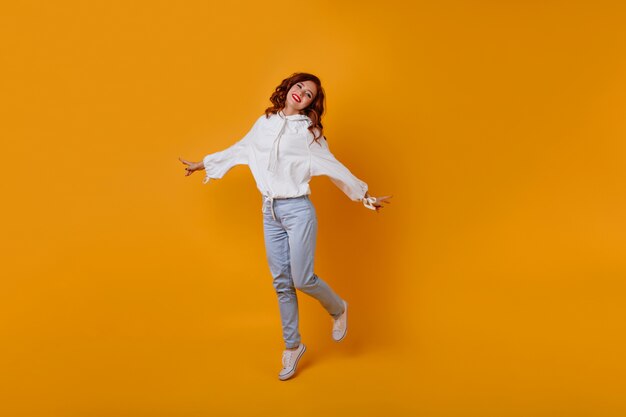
{"x": 379, "y": 200}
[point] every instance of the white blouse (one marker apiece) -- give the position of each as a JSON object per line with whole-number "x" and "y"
{"x": 282, "y": 157}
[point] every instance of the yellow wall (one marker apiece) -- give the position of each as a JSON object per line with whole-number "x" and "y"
{"x": 493, "y": 285}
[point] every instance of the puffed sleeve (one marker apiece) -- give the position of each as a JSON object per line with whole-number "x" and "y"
{"x": 323, "y": 162}
{"x": 218, "y": 164}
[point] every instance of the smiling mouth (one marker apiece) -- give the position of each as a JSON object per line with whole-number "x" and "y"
{"x": 296, "y": 98}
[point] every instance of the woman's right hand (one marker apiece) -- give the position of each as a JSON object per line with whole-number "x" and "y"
{"x": 191, "y": 166}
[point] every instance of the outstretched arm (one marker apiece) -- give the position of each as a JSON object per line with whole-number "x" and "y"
{"x": 323, "y": 162}
{"x": 219, "y": 163}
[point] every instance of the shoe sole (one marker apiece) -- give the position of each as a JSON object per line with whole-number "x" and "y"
{"x": 295, "y": 366}
{"x": 346, "y": 332}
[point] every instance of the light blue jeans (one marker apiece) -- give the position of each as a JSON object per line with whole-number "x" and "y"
{"x": 290, "y": 233}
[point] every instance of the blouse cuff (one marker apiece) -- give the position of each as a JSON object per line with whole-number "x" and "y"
{"x": 206, "y": 163}
{"x": 369, "y": 202}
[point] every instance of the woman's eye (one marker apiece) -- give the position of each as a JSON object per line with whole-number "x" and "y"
{"x": 308, "y": 94}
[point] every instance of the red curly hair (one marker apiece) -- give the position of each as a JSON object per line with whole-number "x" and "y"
{"x": 314, "y": 111}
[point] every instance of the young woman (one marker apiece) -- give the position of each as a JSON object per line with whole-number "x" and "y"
{"x": 285, "y": 148}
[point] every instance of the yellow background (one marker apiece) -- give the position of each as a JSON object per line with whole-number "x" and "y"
{"x": 493, "y": 285}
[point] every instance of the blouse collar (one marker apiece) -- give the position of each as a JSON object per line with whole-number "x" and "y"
{"x": 273, "y": 160}
{"x": 293, "y": 116}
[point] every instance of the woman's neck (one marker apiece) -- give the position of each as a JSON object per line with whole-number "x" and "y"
{"x": 288, "y": 111}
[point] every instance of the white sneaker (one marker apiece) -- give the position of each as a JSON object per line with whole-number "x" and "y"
{"x": 340, "y": 326}
{"x": 290, "y": 362}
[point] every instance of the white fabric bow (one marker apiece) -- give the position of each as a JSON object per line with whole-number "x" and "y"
{"x": 369, "y": 202}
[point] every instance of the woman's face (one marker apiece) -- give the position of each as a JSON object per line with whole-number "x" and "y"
{"x": 301, "y": 95}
